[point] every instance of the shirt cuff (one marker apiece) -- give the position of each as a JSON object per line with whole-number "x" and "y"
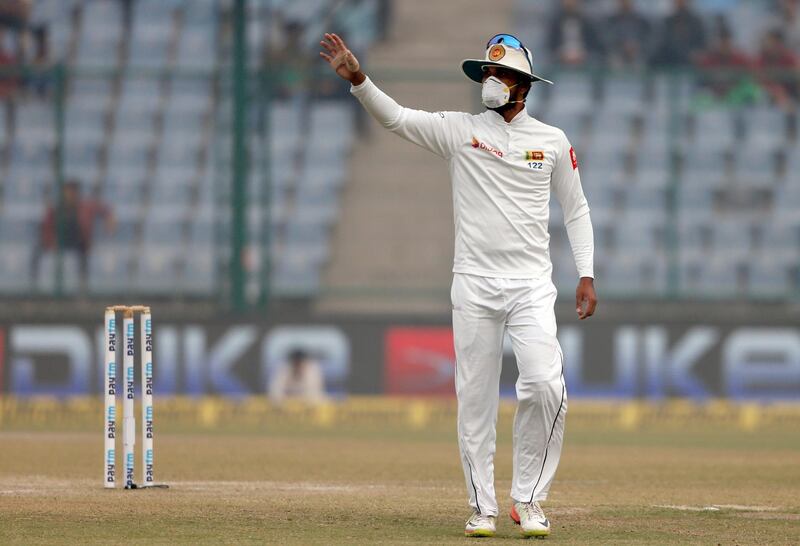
{"x": 361, "y": 88}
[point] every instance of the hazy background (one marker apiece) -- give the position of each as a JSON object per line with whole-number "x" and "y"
{"x": 202, "y": 160}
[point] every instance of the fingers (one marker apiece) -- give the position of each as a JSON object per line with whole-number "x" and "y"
{"x": 338, "y": 41}
{"x": 586, "y": 307}
{"x": 585, "y": 303}
{"x": 591, "y": 306}
{"x": 330, "y": 47}
{"x": 351, "y": 62}
{"x": 328, "y": 58}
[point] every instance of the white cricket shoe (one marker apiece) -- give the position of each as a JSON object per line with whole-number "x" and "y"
{"x": 531, "y": 519}
{"x": 479, "y": 525}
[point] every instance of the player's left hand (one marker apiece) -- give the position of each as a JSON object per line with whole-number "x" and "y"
{"x": 585, "y": 298}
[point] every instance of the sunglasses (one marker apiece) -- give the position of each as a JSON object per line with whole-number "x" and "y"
{"x": 512, "y": 42}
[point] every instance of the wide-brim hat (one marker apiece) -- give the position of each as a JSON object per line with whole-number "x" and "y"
{"x": 504, "y": 51}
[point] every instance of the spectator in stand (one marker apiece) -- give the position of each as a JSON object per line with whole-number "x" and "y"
{"x": 572, "y": 39}
{"x": 74, "y": 229}
{"x": 299, "y": 378}
{"x": 8, "y": 73}
{"x": 289, "y": 61}
{"x": 39, "y": 80}
{"x": 778, "y": 70}
{"x": 627, "y": 34}
{"x": 9, "y": 81}
{"x": 725, "y": 68}
{"x": 384, "y": 18}
{"x": 14, "y": 14}
{"x": 788, "y": 21}
{"x": 680, "y": 37}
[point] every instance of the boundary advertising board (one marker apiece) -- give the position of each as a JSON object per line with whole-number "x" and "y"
{"x": 606, "y": 359}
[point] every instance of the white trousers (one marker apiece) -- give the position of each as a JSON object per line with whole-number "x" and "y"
{"x": 483, "y": 310}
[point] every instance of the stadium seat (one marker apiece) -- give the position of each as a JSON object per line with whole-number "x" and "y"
{"x": 102, "y": 30}
{"x": 45, "y": 279}
{"x": 623, "y": 96}
{"x": 15, "y": 267}
{"x": 771, "y": 276}
{"x": 152, "y": 32}
{"x": 199, "y": 272}
{"x": 157, "y": 266}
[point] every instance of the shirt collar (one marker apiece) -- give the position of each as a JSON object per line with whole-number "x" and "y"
{"x": 521, "y": 116}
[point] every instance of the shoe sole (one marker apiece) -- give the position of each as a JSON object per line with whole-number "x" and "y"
{"x": 479, "y": 534}
{"x": 535, "y": 534}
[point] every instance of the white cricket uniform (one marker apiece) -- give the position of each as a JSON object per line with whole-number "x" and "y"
{"x": 502, "y": 174}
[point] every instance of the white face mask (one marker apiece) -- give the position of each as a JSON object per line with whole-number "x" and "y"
{"x": 495, "y": 93}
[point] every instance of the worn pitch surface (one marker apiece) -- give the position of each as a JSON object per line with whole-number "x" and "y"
{"x": 366, "y": 484}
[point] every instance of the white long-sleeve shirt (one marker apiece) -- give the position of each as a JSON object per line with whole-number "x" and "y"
{"x": 502, "y": 174}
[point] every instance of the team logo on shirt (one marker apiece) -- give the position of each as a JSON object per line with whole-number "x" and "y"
{"x": 497, "y": 52}
{"x": 482, "y": 146}
{"x": 574, "y": 157}
{"x": 534, "y": 155}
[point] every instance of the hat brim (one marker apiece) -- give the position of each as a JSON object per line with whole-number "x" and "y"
{"x": 473, "y": 68}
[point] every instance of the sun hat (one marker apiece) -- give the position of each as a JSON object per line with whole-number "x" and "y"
{"x": 506, "y": 51}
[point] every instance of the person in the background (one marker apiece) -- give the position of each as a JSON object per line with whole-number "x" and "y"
{"x": 384, "y": 17}
{"x": 14, "y": 14}
{"x": 627, "y": 33}
{"x": 300, "y": 377}
{"x": 76, "y": 225}
{"x": 572, "y": 39}
{"x": 681, "y": 37}
{"x": 725, "y": 66}
{"x": 39, "y": 80}
{"x": 9, "y": 81}
{"x": 787, "y": 20}
{"x": 778, "y": 70}
{"x": 288, "y": 61}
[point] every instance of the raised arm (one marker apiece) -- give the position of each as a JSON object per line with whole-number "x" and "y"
{"x": 566, "y": 183}
{"x": 438, "y": 132}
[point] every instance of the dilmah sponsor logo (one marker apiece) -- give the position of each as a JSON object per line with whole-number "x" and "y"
{"x": 482, "y": 146}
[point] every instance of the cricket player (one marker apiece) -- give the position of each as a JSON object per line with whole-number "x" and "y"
{"x": 503, "y": 165}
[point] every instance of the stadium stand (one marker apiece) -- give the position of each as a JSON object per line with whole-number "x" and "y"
{"x": 145, "y": 129}
{"x": 713, "y": 172}
{"x": 688, "y": 198}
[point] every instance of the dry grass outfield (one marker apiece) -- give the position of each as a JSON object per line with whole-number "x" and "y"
{"x": 367, "y": 484}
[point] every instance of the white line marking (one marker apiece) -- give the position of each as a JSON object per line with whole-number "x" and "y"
{"x": 687, "y": 508}
{"x": 717, "y": 507}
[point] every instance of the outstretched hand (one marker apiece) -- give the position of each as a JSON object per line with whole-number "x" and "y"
{"x": 341, "y": 59}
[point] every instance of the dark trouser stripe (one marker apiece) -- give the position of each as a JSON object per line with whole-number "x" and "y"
{"x": 474, "y": 488}
{"x": 552, "y": 428}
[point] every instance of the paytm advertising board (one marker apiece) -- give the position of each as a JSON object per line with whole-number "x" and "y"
{"x": 603, "y": 358}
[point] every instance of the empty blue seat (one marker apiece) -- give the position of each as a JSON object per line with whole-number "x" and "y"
{"x": 196, "y": 49}
{"x": 199, "y": 274}
{"x": 101, "y": 34}
{"x": 771, "y": 275}
{"x": 623, "y": 95}
{"x": 157, "y": 268}
{"x": 45, "y": 279}
{"x": 15, "y": 272}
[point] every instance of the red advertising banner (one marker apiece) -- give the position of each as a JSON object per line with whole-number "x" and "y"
{"x": 420, "y": 361}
